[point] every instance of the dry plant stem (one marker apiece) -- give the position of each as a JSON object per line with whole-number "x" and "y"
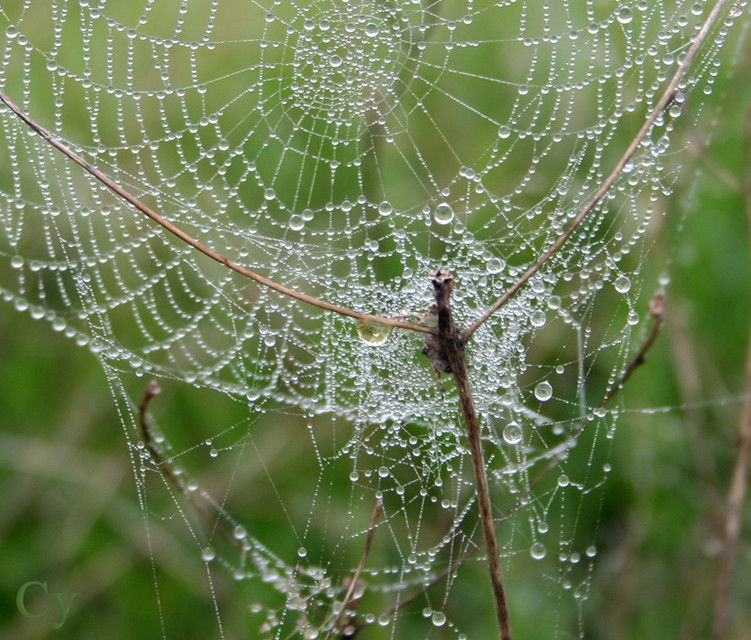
{"x": 448, "y": 334}
{"x": 353, "y": 583}
{"x": 188, "y": 239}
{"x": 733, "y": 517}
{"x": 665, "y": 99}
{"x": 656, "y": 310}
{"x": 152, "y": 390}
{"x": 741, "y": 472}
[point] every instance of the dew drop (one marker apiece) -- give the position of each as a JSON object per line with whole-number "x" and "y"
{"x": 208, "y": 554}
{"x": 538, "y": 551}
{"x": 239, "y": 532}
{"x": 624, "y": 15}
{"x": 538, "y": 319}
{"x": 16, "y": 262}
{"x": 371, "y": 29}
{"x": 438, "y": 619}
{"x": 544, "y": 391}
{"x": 296, "y": 222}
{"x": 443, "y": 213}
{"x": 504, "y": 131}
{"x": 385, "y": 208}
{"x": 373, "y": 333}
{"x": 335, "y": 61}
{"x": 383, "y": 472}
{"x": 495, "y": 265}
{"x": 512, "y": 433}
{"x": 622, "y": 284}
{"x": 302, "y": 552}
{"x": 269, "y": 194}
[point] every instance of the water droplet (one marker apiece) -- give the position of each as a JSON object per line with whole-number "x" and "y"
{"x": 504, "y": 131}
{"x": 383, "y": 472}
{"x": 591, "y": 551}
{"x": 269, "y": 194}
{"x": 538, "y": 551}
{"x": 296, "y": 222}
{"x": 495, "y": 265}
{"x": 302, "y": 552}
{"x": 624, "y": 15}
{"x": 239, "y": 532}
{"x": 438, "y": 619}
{"x": 512, "y": 433}
{"x": 622, "y": 284}
{"x": 373, "y": 333}
{"x": 335, "y": 61}
{"x": 538, "y": 319}
{"x": 563, "y": 480}
{"x": 16, "y": 262}
{"x": 544, "y": 391}
{"x": 371, "y": 29}
{"x": 208, "y": 554}
{"x": 443, "y": 213}
{"x": 385, "y": 208}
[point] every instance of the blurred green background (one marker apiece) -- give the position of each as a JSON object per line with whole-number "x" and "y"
{"x": 70, "y": 514}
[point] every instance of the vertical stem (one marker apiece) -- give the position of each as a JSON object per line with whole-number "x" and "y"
{"x": 733, "y": 516}
{"x": 453, "y": 348}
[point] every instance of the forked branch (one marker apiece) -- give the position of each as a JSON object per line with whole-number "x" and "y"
{"x": 189, "y": 240}
{"x": 456, "y": 364}
{"x": 665, "y": 99}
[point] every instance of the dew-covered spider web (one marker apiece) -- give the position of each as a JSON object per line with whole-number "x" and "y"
{"x": 347, "y": 150}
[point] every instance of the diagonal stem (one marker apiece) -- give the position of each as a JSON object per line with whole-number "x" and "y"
{"x": 453, "y": 348}
{"x": 188, "y": 239}
{"x": 665, "y": 99}
{"x": 356, "y": 578}
{"x": 736, "y": 496}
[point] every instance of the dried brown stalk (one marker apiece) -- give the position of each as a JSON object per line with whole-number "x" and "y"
{"x": 356, "y": 578}
{"x": 188, "y": 239}
{"x": 665, "y": 99}
{"x": 152, "y": 390}
{"x": 453, "y": 351}
{"x": 656, "y": 310}
{"x": 739, "y": 482}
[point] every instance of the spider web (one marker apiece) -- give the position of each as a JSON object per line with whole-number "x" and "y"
{"x": 347, "y": 150}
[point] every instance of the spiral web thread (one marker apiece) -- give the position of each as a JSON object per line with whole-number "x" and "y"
{"x": 347, "y": 150}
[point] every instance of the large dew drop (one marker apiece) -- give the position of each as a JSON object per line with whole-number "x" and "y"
{"x": 443, "y": 213}
{"x": 373, "y": 333}
{"x": 544, "y": 391}
{"x": 512, "y": 433}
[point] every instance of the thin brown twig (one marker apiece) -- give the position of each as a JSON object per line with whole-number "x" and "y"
{"x": 188, "y": 239}
{"x": 665, "y": 99}
{"x": 153, "y": 389}
{"x": 736, "y": 496}
{"x": 737, "y": 492}
{"x": 355, "y": 579}
{"x": 453, "y": 349}
{"x": 656, "y": 310}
